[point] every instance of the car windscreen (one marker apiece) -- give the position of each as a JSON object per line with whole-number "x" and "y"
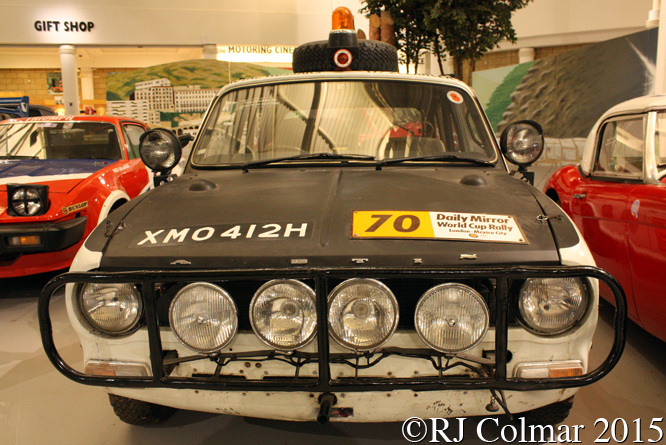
{"x": 382, "y": 119}
{"x": 59, "y": 140}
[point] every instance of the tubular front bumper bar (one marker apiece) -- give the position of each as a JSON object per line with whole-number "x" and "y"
{"x": 324, "y": 382}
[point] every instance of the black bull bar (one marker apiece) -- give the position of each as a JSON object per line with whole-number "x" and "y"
{"x": 324, "y": 382}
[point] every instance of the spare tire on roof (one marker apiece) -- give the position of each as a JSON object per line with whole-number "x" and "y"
{"x": 371, "y": 55}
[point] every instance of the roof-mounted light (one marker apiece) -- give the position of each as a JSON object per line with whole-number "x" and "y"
{"x": 342, "y": 40}
{"x": 343, "y": 19}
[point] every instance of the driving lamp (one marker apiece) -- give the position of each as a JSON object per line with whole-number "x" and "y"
{"x": 451, "y": 317}
{"x": 283, "y": 314}
{"x": 160, "y": 149}
{"x": 113, "y": 308}
{"x": 362, "y": 314}
{"x": 27, "y": 200}
{"x": 552, "y": 305}
{"x": 522, "y": 142}
{"x": 203, "y": 317}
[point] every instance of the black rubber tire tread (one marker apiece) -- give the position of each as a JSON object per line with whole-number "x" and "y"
{"x": 136, "y": 412}
{"x": 372, "y": 56}
{"x": 310, "y": 57}
{"x": 377, "y": 56}
{"x": 550, "y": 414}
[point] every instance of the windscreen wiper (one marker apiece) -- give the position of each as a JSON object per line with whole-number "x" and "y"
{"x": 327, "y": 156}
{"x": 444, "y": 158}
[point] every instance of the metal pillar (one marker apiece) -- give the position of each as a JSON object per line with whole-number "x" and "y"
{"x": 653, "y": 17}
{"x": 525, "y": 55}
{"x": 70, "y": 84}
{"x": 87, "y": 87}
{"x": 210, "y": 52}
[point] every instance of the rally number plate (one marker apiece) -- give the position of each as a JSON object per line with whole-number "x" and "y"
{"x": 436, "y": 225}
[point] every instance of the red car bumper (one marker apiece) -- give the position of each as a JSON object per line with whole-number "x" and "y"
{"x": 59, "y": 242}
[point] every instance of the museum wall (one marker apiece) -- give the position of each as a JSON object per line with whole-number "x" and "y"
{"x": 284, "y": 22}
{"x": 116, "y": 36}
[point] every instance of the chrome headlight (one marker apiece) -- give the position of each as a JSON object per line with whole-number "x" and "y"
{"x": 552, "y": 305}
{"x": 451, "y": 317}
{"x": 203, "y": 317}
{"x": 27, "y": 200}
{"x": 160, "y": 149}
{"x": 362, "y": 314}
{"x": 283, "y": 314}
{"x": 522, "y": 142}
{"x": 112, "y": 308}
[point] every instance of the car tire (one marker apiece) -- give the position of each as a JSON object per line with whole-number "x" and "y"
{"x": 136, "y": 412}
{"x": 549, "y": 414}
{"x": 372, "y": 56}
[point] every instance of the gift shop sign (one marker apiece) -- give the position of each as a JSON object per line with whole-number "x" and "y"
{"x": 66, "y": 26}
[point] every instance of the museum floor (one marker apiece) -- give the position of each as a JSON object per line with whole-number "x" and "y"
{"x": 40, "y": 406}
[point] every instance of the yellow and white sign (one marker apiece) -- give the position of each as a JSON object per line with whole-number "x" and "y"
{"x": 436, "y": 225}
{"x": 255, "y": 53}
{"x": 74, "y": 208}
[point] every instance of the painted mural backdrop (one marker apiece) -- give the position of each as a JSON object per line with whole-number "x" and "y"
{"x": 567, "y": 93}
{"x": 175, "y": 95}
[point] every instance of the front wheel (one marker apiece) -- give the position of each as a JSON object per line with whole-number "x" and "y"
{"x": 549, "y": 414}
{"x": 136, "y": 412}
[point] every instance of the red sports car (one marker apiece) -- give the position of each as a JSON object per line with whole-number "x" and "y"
{"x": 617, "y": 198}
{"x": 59, "y": 177}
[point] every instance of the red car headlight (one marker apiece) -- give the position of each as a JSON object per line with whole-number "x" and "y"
{"x": 27, "y": 199}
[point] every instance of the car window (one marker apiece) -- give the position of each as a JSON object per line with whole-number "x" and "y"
{"x": 660, "y": 141}
{"x": 133, "y": 132}
{"x": 59, "y": 140}
{"x": 621, "y": 149}
{"x": 383, "y": 119}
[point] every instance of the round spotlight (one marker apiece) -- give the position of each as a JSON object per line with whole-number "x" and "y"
{"x": 203, "y": 317}
{"x": 522, "y": 142}
{"x": 552, "y": 305}
{"x": 160, "y": 149}
{"x": 451, "y": 317}
{"x": 283, "y": 314}
{"x": 112, "y": 308}
{"x": 26, "y": 201}
{"x": 362, "y": 314}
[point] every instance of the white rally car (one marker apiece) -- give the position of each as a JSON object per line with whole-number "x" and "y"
{"x": 346, "y": 243}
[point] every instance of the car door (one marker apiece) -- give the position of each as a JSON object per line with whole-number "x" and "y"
{"x": 647, "y": 239}
{"x": 600, "y": 203}
{"x": 136, "y": 177}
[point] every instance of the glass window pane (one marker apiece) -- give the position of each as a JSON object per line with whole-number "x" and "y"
{"x": 660, "y": 141}
{"x": 59, "y": 140}
{"x": 134, "y": 133}
{"x": 622, "y": 149}
{"x": 382, "y": 119}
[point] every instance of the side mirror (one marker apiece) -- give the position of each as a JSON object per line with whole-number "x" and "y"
{"x": 522, "y": 144}
{"x": 160, "y": 150}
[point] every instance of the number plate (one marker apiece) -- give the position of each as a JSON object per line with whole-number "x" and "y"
{"x": 436, "y": 225}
